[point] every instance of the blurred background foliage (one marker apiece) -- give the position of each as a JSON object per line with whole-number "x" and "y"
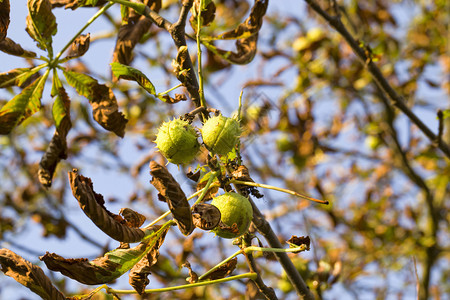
{"x": 313, "y": 121}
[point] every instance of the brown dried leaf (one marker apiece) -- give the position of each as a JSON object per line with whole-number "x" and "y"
{"x": 205, "y": 216}
{"x": 9, "y": 46}
{"x": 28, "y": 275}
{"x": 296, "y": 241}
{"x": 80, "y": 46}
{"x": 41, "y": 23}
{"x": 246, "y": 34}
{"x": 193, "y": 176}
{"x": 232, "y": 229}
{"x": 74, "y": 4}
{"x": 104, "y": 104}
{"x": 56, "y": 150}
{"x": 106, "y": 111}
{"x": 133, "y": 219}
{"x": 208, "y": 14}
{"x": 92, "y": 205}
{"x": 138, "y": 277}
{"x": 131, "y": 32}
{"x": 8, "y": 121}
{"x": 222, "y": 271}
{"x": 172, "y": 193}
{"x": 79, "y": 269}
{"x": 193, "y": 277}
{"x": 108, "y": 267}
{"x": 180, "y": 64}
{"x": 4, "y": 18}
{"x": 169, "y": 100}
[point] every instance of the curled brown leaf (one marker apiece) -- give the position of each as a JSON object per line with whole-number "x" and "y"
{"x": 92, "y": 205}
{"x": 7, "y": 45}
{"x": 206, "y": 216}
{"x": 28, "y": 275}
{"x": 132, "y": 218}
{"x": 56, "y": 150}
{"x": 108, "y": 267}
{"x": 223, "y": 271}
{"x": 4, "y": 18}
{"x": 193, "y": 277}
{"x": 296, "y": 241}
{"x": 74, "y": 4}
{"x": 79, "y": 269}
{"x": 138, "y": 277}
{"x": 170, "y": 191}
{"x": 106, "y": 110}
{"x": 246, "y": 34}
{"x": 131, "y": 32}
{"x": 171, "y": 100}
{"x": 207, "y": 15}
{"x": 80, "y": 46}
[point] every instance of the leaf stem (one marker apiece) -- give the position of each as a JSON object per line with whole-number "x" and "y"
{"x": 89, "y": 22}
{"x": 33, "y": 70}
{"x": 199, "y": 55}
{"x": 240, "y": 251}
{"x": 169, "y": 90}
{"x": 252, "y": 249}
{"x": 206, "y": 188}
{"x": 270, "y": 187}
{"x": 184, "y": 286}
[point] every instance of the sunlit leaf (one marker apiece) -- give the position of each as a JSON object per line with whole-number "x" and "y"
{"x": 21, "y": 106}
{"x": 170, "y": 191}
{"x": 57, "y": 148}
{"x": 93, "y": 205}
{"x": 129, "y": 73}
{"x": 107, "y": 268}
{"x": 41, "y": 23}
{"x": 105, "y": 109}
{"x": 17, "y": 77}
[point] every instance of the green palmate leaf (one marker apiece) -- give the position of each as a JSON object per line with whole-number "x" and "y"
{"x": 107, "y": 268}
{"x": 16, "y": 77}
{"x": 126, "y": 72}
{"x": 21, "y": 106}
{"x": 41, "y": 23}
{"x": 61, "y": 107}
{"x": 81, "y": 82}
{"x": 57, "y": 148}
{"x": 105, "y": 109}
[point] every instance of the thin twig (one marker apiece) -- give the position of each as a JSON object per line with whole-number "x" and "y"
{"x": 417, "y": 278}
{"x": 268, "y": 292}
{"x": 440, "y": 116}
{"x": 396, "y": 99}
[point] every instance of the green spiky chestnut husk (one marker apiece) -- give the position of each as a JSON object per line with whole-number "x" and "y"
{"x": 234, "y": 209}
{"x": 177, "y": 141}
{"x": 220, "y": 134}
